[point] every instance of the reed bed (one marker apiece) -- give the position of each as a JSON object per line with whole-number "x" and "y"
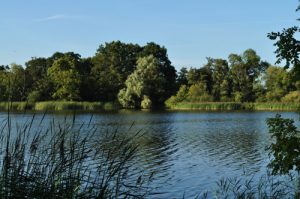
{"x": 58, "y": 106}
{"x": 68, "y": 160}
{"x": 266, "y": 186}
{"x": 232, "y": 106}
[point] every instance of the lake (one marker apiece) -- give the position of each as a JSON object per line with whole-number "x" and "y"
{"x": 189, "y": 151}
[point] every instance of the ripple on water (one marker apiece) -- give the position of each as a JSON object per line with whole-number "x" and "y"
{"x": 188, "y": 151}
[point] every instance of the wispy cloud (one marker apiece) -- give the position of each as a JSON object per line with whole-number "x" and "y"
{"x": 53, "y": 17}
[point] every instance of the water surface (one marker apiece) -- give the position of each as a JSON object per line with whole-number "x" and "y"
{"x": 189, "y": 151}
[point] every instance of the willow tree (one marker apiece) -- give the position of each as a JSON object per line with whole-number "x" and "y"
{"x": 145, "y": 86}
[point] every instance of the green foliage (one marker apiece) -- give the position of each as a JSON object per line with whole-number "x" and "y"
{"x": 208, "y": 106}
{"x": 278, "y": 83}
{"x": 245, "y": 69}
{"x": 220, "y": 106}
{"x": 147, "y": 80}
{"x": 218, "y": 81}
{"x": 194, "y": 93}
{"x": 115, "y": 61}
{"x": 16, "y": 85}
{"x": 4, "y": 84}
{"x": 109, "y": 106}
{"x": 274, "y": 106}
{"x": 292, "y": 97}
{"x": 146, "y": 103}
{"x": 66, "y": 79}
{"x": 112, "y": 64}
{"x": 113, "y": 75}
{"x": 221, "y": 79}
{"x": 285, "y": 150}
{"x": 171, "y": 102}
{"x": 182, "y": 77}
{"x": 34, "y": 96}
{"x": 203, "y": 75}
{"x": 181, "y": 95}
{"x": 58, "y": 106}
{"x": 288, "y": 46}
{"x": 167, "y": 71}
{"x": 198, "y": 93}
{"x": 238, "y": 96}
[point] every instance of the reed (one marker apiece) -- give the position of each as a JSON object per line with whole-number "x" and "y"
{"x": 58, "y": 106}
{"x": 231, "y": 106}
{"x": 66, "y": 160}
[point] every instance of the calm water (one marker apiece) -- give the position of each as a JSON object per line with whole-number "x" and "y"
{"x": 190, "y": 151}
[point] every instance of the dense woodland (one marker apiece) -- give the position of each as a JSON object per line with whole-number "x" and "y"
{"x": 143, "y": 77}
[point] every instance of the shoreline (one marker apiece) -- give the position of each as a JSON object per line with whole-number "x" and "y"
{"x": 237, "y": 106}
{"x": 58, "y": 106}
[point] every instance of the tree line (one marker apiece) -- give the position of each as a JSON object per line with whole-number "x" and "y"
{"x": 240, "y": 78}
{"x": 68, "y": 76}
{"x": 143, "y": 77}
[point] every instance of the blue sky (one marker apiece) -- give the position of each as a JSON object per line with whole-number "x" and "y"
{"x": 191, "y": 30}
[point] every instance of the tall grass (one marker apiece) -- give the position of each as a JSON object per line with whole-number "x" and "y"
{"x": 16, "y": 106}
{"x": 208, "y": 106}
{"x": 228, "y": 106}
{"x": 247, "y": 187}
{"x": 58, "y": 106}
{"x": 67, "y": 160}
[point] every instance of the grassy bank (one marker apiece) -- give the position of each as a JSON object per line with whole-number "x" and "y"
{"x": 230, "y": 106}
{"x": 58, "y": 106}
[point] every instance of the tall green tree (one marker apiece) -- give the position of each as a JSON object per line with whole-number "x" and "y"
{"x": 38, "y": 85}
{"x": 221, "y": 80}
{"x": 182, "y": 77}
{"x": 66, "y": 78}
{"x": 88, "y": 83}
{"x": 17, "y": 83}
{"x": 245, "y": 69}
{"x": 278, "y": 83}
{"x": 112, "y": 64}
{"x": 4, "y": 83}
{"x": 165, "y": 66}
{"x": 201, "y": 75}
{"x": 145, "y": 86}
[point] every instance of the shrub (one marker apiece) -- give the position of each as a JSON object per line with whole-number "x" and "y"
{"x": 110, "y": 106}
{"x": 34, "y": 96}
{"x": 292, "y": 97}
{"x": 146, "y": 103}
{"x": 198, "y": 93}
{"x": 238, "y": 97}
{"x": 171, "y": 102}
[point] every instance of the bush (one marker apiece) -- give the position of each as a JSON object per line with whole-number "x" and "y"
{"x": 292, "y": 97}
{"x": 171, "y": 102}
{"x": 198, "y": 93}
{"x": 34, "y": 96}
{"x": 238, "y": 97}
{"x": 110, "y": 106}
{"x": 146, "y": 103}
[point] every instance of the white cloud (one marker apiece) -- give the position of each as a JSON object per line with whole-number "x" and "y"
{"x": 53, "y": 17}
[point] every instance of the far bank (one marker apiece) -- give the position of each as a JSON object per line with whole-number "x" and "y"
{"x": 113, "y": 106}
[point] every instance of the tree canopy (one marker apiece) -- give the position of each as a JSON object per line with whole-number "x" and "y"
{"x": 143, "y": 76}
